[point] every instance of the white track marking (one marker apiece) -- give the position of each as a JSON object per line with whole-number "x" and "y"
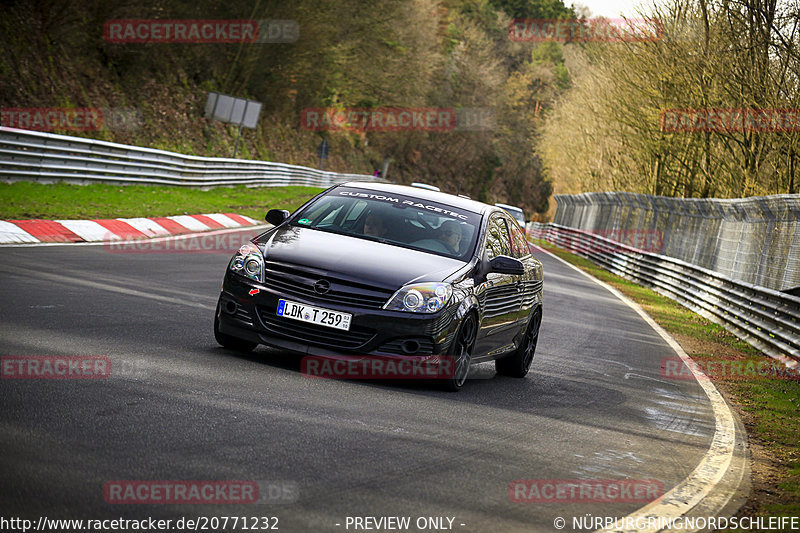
{"x": 708, "y": 473}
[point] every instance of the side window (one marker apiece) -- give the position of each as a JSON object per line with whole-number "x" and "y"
{"x": 519, "y": 243}
{"x": 497, "y": 241}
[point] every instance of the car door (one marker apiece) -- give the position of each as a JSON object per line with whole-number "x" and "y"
{"x": 530, "y": 283}
{"x": 499, "y": 295}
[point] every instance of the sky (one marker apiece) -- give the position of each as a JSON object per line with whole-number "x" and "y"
{"x": 609, "y": 8}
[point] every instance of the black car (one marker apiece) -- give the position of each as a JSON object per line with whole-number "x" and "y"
{"x": 380, "y": 270}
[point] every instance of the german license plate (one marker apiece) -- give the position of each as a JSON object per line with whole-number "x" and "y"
{"x": 314, "y": 315}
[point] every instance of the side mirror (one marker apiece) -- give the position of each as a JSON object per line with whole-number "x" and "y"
{"x": 276, "y": 216}
{"x": 502, "y": 264}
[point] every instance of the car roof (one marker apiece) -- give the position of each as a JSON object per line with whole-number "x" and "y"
{"x": 425, "y": 186}
{"x": 423, "y": 194}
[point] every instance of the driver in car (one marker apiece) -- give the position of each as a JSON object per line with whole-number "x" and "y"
{"x": 449, "y": 234}
{"x": 374, "y": 226}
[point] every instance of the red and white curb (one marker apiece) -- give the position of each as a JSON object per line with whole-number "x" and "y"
{"x": 115, "y": 229}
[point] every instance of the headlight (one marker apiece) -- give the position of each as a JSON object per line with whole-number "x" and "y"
{"x": 248, "y": 262}
{"x": 421, "y": 298}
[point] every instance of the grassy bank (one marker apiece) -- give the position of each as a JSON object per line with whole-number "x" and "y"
{"x": 24, "y": 200}
{"x": 763, "y": 392}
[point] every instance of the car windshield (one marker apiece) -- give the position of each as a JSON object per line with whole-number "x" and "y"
{"x": 394, "y": 219}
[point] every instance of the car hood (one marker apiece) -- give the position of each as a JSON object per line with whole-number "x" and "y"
{"x": 352, "y": 258}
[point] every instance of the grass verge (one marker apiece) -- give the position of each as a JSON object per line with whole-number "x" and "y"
{"x": 23, "y": 200}
{"x": 763, "y": 392}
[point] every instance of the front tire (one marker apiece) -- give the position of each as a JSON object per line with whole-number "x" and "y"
{"x": 461, "y": 353}
{"x": 518, "y": 364}
{"x": 231, "y": 343}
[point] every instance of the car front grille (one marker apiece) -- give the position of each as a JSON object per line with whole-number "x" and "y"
{"x": 312, "y": 333}
{"x": 293, "y": 281}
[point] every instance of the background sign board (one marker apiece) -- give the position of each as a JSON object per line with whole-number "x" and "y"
{"x": 233, "y": 110}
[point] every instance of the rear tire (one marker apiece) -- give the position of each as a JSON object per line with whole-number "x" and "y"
{"x": 461, "y": 353}
{"x": 231, "y": 343}
{"x": 518, "y": 364}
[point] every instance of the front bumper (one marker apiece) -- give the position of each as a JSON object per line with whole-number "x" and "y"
{"x": 247, "y": 309}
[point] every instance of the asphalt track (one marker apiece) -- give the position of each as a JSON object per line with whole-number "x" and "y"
{"x": 178, "y": 407}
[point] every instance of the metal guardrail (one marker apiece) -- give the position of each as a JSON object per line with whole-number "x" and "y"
{"x": 755, "y": 239}
{"x": 767, "y": 319}
{"x": 45, "y": 157}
